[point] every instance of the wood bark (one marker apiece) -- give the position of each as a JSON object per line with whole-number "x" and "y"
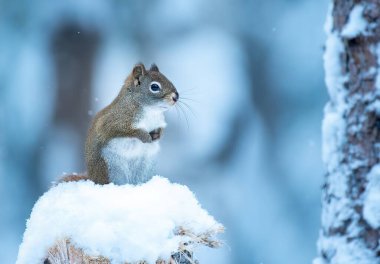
{"x": 347, "y": 236}
{"x": 64, "y": 252}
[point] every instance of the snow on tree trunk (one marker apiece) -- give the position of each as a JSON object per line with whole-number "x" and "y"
{"x": 351, "y": 130}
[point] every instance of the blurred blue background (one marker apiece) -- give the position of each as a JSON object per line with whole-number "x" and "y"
{"x": 250, "y": 146}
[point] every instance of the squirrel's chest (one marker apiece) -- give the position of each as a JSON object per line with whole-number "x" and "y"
{"x": 151, "y": 119}
{"x": 129, "y": 160}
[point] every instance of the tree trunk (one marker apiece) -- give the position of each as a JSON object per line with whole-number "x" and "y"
{"x": 351, "y": 135}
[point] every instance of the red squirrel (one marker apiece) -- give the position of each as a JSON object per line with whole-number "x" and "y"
{"x": 124, "y": 135}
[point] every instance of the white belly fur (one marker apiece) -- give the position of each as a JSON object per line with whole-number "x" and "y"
{"x": 153, "y": 118}
{"x": 129, "y": 160}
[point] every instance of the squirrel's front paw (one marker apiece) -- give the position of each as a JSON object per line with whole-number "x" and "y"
{"x": 156, "y": 134}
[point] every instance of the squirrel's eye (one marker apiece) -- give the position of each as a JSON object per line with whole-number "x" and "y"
{"x": 155, "y": 87}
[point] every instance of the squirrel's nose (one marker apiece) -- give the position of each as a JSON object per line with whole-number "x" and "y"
{"x": 175, "y": 96}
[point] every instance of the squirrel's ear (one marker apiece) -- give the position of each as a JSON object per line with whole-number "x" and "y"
{"x": 154, "y": 68}
{"x": 138, "y": 71}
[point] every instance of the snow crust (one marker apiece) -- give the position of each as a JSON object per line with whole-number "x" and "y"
{"x": 347, "y": 253}
{"x": 333, "y": 133}
{"x": 333, "y": 72}
{"x": 333, "y": 125}
{"x": 371, "y": 210}
{"x": 378, "y": 72}
{"x": 356, "y": 23}
{"x": 122, "y": 223}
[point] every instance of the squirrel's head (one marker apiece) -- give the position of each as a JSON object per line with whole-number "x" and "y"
{"x": 152, "y": 87}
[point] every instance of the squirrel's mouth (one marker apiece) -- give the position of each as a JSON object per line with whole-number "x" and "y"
{"x": 168, "y": 103}
{"x": 172, "y": 98}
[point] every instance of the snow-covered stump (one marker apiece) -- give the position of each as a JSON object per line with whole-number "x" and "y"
{"x": 350, "y": 229}
{"x": 81, "y": 222}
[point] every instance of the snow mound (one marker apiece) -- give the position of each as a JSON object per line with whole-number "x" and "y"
{"x": 122, "y": 223}
{"x": 356, "y": 23}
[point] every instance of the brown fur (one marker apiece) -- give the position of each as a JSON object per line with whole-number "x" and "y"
{"x": 73, "y": 177}
{"x": 117, "y": 119}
